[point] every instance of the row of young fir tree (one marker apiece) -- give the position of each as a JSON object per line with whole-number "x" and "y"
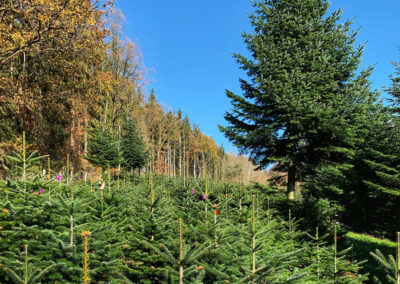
{"x": 156, "y": 230}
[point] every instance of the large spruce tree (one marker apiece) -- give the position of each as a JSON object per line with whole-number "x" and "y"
{"x": 300, "y": 103}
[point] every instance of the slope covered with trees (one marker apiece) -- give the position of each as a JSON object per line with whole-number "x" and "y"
{"x": 100, "y": 182}
{"x": 66, "y": 73}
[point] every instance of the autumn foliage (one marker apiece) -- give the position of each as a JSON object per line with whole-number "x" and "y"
{"x": 66, "y": 68}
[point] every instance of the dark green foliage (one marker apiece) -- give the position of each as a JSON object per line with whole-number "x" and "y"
{"x": 362, "y": 247}
{"x": 133, "y": 148}
{"x": 363, "y": 188}
{"x": 302, "y": 102}
{"x": 394, "y": 89}
{"x": 104, "y": 149}
{"x": 390, "y": 266}
{"x": 140, "y": 242}
{"x": 17, "y": 161}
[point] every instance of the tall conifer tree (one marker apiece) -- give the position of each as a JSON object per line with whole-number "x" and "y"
{"x": 302, "y": 93}
{"x": 133, "y": 148}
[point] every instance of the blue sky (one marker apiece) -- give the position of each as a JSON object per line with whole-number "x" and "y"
{"x": 189, "y": 45}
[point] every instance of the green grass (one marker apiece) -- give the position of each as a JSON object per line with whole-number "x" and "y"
{"x": 371, "y": 239}
{"x": 363, "y": 245}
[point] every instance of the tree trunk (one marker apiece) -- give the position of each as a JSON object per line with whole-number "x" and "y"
{"x": 204, "y": 165}
{"x": 169, "y": 160}
{"x": 174, "y": 163}
{"x": 105, "y": 113}
{"x": 71, "y": 236}
{"x": 291, "y": 183}
{"x": 85, "y": 136}
{"x": 194, "y": 164}
{"x": 184, "y": 160}
{"x": 180, "y": 274}
{"x": 180, "y": 155}
{"x": 72, "y": 129}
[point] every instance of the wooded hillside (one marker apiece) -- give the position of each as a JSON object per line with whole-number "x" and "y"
{"x": 67, "y": 69}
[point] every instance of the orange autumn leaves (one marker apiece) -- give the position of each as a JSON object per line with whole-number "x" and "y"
{"x": 34, "y": 26}
{"x": 49, "y": 51}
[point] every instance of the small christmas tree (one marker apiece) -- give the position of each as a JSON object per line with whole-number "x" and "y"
{"x": 133, "y": 148}
{"x": 104, "y": 149}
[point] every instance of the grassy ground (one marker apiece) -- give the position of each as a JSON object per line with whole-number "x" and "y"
{"x": 363, "y": 245}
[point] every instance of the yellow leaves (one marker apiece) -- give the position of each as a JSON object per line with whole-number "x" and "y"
{"x": 42, "y": 18}
{"x": 35, "y": 23}
{"x": 107, "y": 82}
{"x": 17, "y": 39}
{"x": 5, "y": 211}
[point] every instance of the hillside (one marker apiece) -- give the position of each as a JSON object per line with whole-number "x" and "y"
{"x": 98, "y": 80}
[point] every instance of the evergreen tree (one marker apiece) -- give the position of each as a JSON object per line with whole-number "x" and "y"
{"x": 366, "y": 189}
{"x": 383, "y": 160}
{"x": 104, "y": 149}
{"x": 390, "y": 265}
{"x": 303, "y": 90}
{"x": 394, "y": 89}
{"x": 133, "y": 148}
{"x": 386, "y": 158}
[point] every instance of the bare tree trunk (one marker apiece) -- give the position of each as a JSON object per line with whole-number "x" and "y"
{"x": 105, "y": 113}
{"x": 223, "y": 170}
{"x": 204, "y": 165}
{"x": 72, "y": 128}
{"x": 291, "y": 184}
{"x": 174, "y": 173}
{"x": 184, "y": 161}
{"x": 180, "y": 155}
{"x": 194, "y": 164}
{"x": 85, "y": 136}
{"x": 169, "y": 160}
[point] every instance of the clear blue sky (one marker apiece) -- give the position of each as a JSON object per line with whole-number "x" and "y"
{"x": 189, "y": 44}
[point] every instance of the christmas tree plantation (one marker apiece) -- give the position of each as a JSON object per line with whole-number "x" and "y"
{"x": 155, "y": 230}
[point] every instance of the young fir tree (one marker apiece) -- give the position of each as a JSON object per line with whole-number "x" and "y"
{"x": 390, "y": 264}
{"x": 133, "y": 148}
{"x": 303, "y": 90}
{"x": 104, "y": 149}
